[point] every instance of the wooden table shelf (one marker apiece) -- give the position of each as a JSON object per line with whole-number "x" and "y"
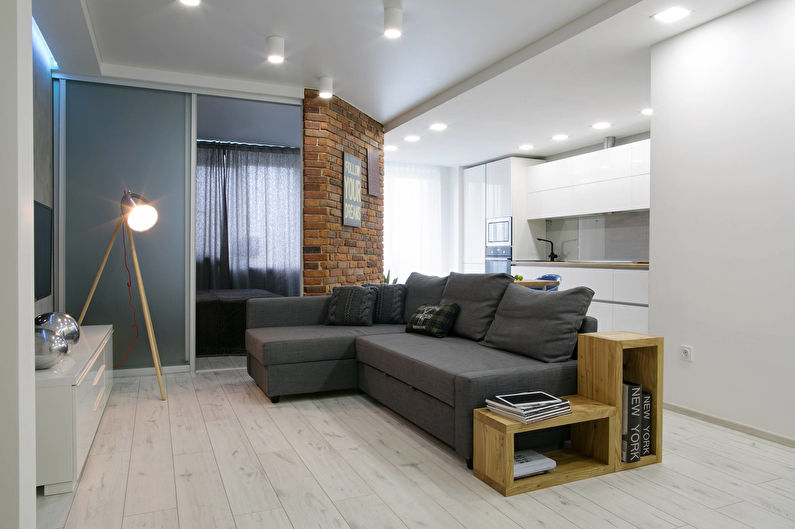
{"x": 605, "y": 360}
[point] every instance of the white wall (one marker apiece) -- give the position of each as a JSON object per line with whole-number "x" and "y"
{"x": 724, "y": 182}
{"x": 17, "y": 395}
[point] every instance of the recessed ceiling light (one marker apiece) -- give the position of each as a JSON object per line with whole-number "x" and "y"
{"x": 326, "y": 87}
{"x": 560, "y": 137}
{"x": 438, "y": 127}
{"x": 602, "y": 125}
{"x": 648, "y": 111}
{"x": 672, "y": 14}
{"x": 393, "y": 19}
{"x": 390, "y": 148}
{"x": 275, "y": 49}
{"x": 191, "y": 3}
{"x": 411, "y": 138}
{"x": 525, "y": 147}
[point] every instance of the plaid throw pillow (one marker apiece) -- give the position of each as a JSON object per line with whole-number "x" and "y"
{"x": 433, "y": 320}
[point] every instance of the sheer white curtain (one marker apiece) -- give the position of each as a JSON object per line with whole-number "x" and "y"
{"x": 420, "y": 219}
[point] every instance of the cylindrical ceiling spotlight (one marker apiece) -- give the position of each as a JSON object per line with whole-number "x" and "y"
{"x": 326, "y": 88}
{"x": 393, "y": 19}
{"x": 276, "y": 49}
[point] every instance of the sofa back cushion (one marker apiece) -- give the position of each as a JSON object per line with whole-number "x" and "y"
{"x": 352, "y": 305}
{"x": 389, "y": 303}
{"x": 538, "y": 324}
{"x": 422, "y": 290}
{"x": 478, "y": 295}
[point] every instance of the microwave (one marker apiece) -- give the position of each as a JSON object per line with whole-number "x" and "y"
{"x": 499, "y": 231}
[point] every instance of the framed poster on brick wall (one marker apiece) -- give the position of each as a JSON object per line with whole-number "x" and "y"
{"x": 374, "y": 172}
{"x": 352, "y": 190}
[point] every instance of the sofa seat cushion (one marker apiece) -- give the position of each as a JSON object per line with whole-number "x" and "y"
{"x": 432, "y": 364}
{"x": 308, "y": 343}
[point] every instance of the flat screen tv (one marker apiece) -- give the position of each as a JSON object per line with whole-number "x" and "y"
{"x": 42, "y": 250}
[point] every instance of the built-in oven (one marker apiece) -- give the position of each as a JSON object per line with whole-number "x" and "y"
{"x": 499, "y": 231}
{"x": 498, "y": 259}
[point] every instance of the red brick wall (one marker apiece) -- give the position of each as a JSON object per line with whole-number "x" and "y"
{"x": 335, "y": 254}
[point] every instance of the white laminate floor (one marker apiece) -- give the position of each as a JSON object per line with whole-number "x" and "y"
{"x": 220, "y": 363}
{"x": 218, "y": 454}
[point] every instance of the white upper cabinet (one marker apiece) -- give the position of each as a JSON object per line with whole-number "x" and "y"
{"x": 498, "y": 188}
{"x": 474, "y": 215}
{"x": 615, "y": 179}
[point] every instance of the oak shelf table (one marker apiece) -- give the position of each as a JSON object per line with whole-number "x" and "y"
{"x": 605, "y": 360}
{"x": 546, "y": 284}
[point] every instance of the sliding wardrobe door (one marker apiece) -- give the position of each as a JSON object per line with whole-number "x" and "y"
{"x": 120, "y": 138}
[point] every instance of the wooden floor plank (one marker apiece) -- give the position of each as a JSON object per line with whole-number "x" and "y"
{"x": 152, "y": 520}
{"x": 201, "y": 497}
{"x": 755, "y": 516}
{"x": 368, "y": 512}
{"x": 115, "y": 430}
{"x": 579, "y": 510}
{"x": 684, "y": 484}
{"x": 188, "y": 434}
{"x": 212, "y": 399}
{"x": 246, "y": 484}
{"x": 748, "y": 470}
{"x": 300, "y": 494}
{"x": 150, "y": 485}
{"x": 784, "y": 487}
{"x": 529, "y": 513}
{"x": 273, "y": 519}
{"x": 99, "y": 500}
{"x": 51, "y": 511}
{"x": 479, "y": 514}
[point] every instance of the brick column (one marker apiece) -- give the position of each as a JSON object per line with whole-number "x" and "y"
{"x": 335, "y": 254}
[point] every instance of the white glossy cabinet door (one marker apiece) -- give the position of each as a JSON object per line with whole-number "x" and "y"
{"x": 603, "y": 312}
{"x": 474, "y": 216}
{"x": 498, "y": 189}
{"x": 631, "y": 286}
{"x": 631, "y": 318}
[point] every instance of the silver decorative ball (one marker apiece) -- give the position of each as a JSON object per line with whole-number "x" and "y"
{"x": 61, "y": 324}
{"x": 49, "y": 347}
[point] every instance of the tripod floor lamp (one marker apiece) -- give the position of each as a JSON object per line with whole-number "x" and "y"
{"x": 139, "y": 216}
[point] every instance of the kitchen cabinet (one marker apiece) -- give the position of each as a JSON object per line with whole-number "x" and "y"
{"x": 498, "y": 188}
{"x": 473, "y": 210}
{"x": 615, "y": 179}
{"x": 621, "y": 297}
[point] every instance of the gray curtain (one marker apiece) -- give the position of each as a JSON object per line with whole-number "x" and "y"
{"x": 248, "y": 218}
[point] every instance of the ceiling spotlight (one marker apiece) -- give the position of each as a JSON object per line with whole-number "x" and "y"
{"x": 560, "y": 137}
{"x": 525, "y": 147}
{"x": 390, "y": 148}
{"x": 276, "y": 49}
{"x": 191, "y": 3}
{"x": 672, "y": 14}
{"x": 438, "y": 127}
{"x": 648, "y": 111}
{"x": 326, "y": 86}
{"x": 393, "y": 19}
{"x": 602, "y": 125}
{"x": 411, "y": 138}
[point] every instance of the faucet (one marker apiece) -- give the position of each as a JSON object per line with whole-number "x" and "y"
{"x": 552, "y": 255}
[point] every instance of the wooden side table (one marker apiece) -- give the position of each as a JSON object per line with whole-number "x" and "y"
{"x": 605, "y": 360}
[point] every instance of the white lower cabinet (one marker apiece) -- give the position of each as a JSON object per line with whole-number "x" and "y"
{"x": 603, "y": 312}
{"x": 70, "y": 400}
{"x": 630, "y": 318}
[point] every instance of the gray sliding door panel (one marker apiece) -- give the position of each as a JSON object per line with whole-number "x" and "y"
{"x": 120, "y": 137}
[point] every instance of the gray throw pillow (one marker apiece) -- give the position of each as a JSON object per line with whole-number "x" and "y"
{"x": 389, "y": 303}
{"x": 478, "y": 295}
{"x": 422, "y": 290}
{"x": 538, "y": 324}
{"x": 351, "y": 306}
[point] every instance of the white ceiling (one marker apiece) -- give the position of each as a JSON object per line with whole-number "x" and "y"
{"x": 499, "y": 72}
{"x": 600, "y": 74}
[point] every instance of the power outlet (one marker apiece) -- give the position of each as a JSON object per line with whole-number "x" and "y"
{"x": 686, "y": 353}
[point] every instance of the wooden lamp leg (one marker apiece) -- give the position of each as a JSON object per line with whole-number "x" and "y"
{"x": 147, "y": 318}
{"x": 101, "y": 269}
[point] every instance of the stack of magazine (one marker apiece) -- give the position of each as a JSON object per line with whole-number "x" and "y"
{"x": 529, "y": 406}
{"x": 529, "y": 463}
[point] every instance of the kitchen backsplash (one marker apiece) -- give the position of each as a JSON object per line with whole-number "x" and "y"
{"x": 612, "y": 236}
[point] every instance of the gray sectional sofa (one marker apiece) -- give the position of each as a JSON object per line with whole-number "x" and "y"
{"x": 433, "y": 382}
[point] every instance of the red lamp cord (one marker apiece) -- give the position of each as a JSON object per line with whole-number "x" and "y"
{"x": 129, "y": 295}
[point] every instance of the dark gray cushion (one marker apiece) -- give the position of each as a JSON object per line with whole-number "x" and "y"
{"x": 353, "y": 305}
{"x": 478, "y": 295}
{"x": 422, "y": 290}
{"x": 430, "y": 364}
{"x": 389, "y": 303}
{"x": 308, "y": 343}
{"x": 538, "y": 324}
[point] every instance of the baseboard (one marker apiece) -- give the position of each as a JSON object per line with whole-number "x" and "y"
{"x": 744, "y": 428}
{"x": 149, "y": 371}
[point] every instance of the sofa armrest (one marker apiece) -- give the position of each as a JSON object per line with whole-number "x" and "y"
{"x": 472, "y": 389}
{"x": 286, "y": 312}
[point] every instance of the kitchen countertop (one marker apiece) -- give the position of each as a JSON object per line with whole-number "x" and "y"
{"x": 585, "y": 264}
